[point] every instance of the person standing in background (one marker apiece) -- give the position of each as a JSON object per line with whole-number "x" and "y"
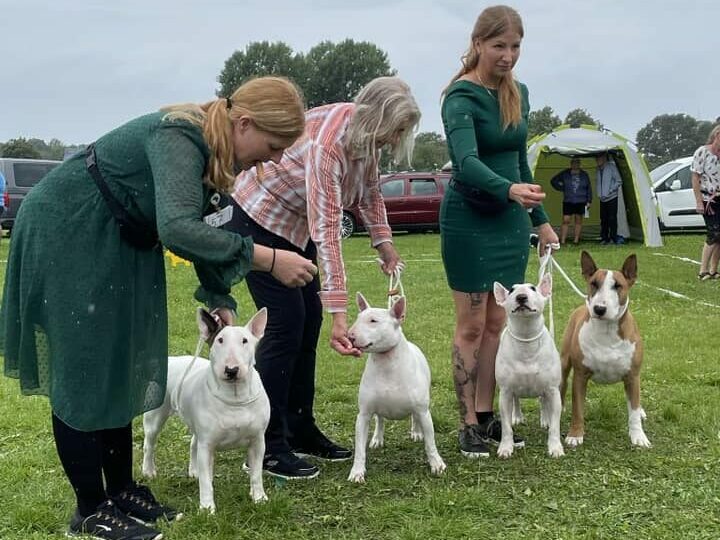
{"x": 577, "y": 197}
{"x": 705, "y": 170}
{"x": 608, "y": 183}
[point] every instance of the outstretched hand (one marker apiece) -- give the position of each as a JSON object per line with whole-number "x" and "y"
{"x": 528, "y": 195}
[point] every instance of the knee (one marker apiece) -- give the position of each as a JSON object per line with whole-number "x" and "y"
{"x": 566, "y": 220}
{"x": 493, "y": 327}
{"x": 470, "y": 333}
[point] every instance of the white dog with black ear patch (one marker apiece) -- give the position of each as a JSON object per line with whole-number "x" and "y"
{"x": 394, "y": 385}
{"x": 222, "y": 401}
{"x": 527, "y": 362}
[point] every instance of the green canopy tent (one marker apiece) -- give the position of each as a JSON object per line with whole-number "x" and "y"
{"x": 550, "y": 153}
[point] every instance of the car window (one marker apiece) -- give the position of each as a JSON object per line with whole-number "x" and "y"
{"x": 658, "y": 172}
{"x": 29, "y": 174}
{"x": 685, "y": 178}
{"x": 444, "y": 180}
{"x": 423, "y": 186}
{"x": 392, "y": 188}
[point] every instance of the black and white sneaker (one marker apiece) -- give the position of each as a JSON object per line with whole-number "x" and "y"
{"x": 109, "y": 523}
{"x": 491, "y": 433}
{"x": 471, "y": 444}
{"x": 315, "y": 444}
{"x": 138, "y": 503}
{"x": 288, "y": 466}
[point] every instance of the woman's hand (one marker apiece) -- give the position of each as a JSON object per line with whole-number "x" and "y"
{"x": 547, "y": 237}
{"x": 291, "y": 269}
{"x": 338, "y": 336}
{"x": 389, "y": 257}
{"x": 528, "y": 195}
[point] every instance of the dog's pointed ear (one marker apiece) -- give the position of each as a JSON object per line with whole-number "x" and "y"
{"x": 629, "y": 269}
{"x": 207, "y": 324}
{"x": 587, "y": 265}
{"x": 500, "y": 292}
{"x": 546, "y": 285}
{"x": 362, "y": 304}
{"x": 398, "y": 309}
{"x": 256, "y": 325}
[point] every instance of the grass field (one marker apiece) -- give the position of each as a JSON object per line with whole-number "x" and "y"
{"x": 604, "y": 489}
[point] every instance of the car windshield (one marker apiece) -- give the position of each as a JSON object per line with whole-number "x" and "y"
{"x": 658, "y": 172}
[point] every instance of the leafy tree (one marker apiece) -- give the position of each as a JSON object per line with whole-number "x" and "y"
{"x": 576, "y": 117}
{"x": 542, "y": 121}
{"x": 336, "y": 72}
{"x": 430, "y": 152}
{"x": 261, "y": 58}
{"x": 670, "y": 136}
{"x": 20, "y": 148}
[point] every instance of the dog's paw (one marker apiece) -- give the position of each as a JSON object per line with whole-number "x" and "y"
{"x": 208, "y": 507}
{"x": 639, "y": 438}
{"x": 505, "y": 450}
{"x": 192, "y": 472}
{"x": 416, "y": 436}
{"x": 556, "y": 450}
{"x": 643, "y": 415}
{"x": 149, "y": 471}
{"x": 437, "y": 466}
{"x": 573, "y": 441}
{"x": 258, "y": 496}
{"x": 544, "y": 421}
{"x": 377, "y": 442}
{"x": 357, "y": 476}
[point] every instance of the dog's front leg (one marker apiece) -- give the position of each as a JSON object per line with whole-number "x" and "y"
{"x": 577, "y": 424}
{"x": 192, "y": 467}
{"x": 552, "y": 404}
{"x": 205, "y": 475}
{"x": 506, "y": 400}
{"x": 517, "y": 415}
{"x": 635, "y": 411}
{"x": 378, "y": 438}
{"x": 255, "y": 454}
{"x": 437, "y": 465}
{"x": 357, "y": 473}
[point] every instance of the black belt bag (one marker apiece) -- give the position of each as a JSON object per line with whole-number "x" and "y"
{"x": 479, "y": 199}
{"x": 139, "y": 235}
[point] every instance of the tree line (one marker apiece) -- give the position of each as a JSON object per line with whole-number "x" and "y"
{"x": 334, "y": 72}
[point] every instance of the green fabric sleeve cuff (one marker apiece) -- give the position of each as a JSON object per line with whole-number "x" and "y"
{"x": 538, "y": 216}
{"x": 214, "y": 300}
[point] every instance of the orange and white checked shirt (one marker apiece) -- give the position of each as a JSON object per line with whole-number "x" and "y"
{"x": 302, "y": 197}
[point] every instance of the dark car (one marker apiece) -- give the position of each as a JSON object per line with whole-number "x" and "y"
{"x": 20, "y": 176}
{"x": 412, "y": 202}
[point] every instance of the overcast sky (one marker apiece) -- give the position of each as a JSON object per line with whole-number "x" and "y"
{"x": 74, "y": 70}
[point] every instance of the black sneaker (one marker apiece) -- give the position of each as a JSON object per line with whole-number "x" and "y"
{"x": 491, "y": 433}
{"x": 138, "y": 503}
{"x": 287, "y": 465}
{"x": 314, "y": 443}
{"x": 471, "y": 444}
{"x": 109, "y": 523}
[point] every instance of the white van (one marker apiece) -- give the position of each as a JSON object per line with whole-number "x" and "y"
{"x": 674, "y": 197}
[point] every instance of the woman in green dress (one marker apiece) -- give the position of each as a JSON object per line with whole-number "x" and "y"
{"x": 488, "y": 211}
{"x": 84, "y": 312}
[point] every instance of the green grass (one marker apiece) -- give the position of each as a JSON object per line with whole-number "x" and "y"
{"x": 604, "y": 489}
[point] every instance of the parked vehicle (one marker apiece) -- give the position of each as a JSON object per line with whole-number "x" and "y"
{"x": 20, "y": 176}
{"x": 412, "y": 202}
{"x": 674, "y": 197}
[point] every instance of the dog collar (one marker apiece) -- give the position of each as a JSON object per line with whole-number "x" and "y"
{"x": 525, "y": 340}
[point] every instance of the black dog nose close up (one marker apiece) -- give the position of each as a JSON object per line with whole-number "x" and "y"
{"x": 231, "y": 372}
{"x": 521, "y": 298}
{"x": 600, "y": 310}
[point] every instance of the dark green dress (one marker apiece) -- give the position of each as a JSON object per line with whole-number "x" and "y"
{"x": 479, "y": 249}
{"x": 84, "y": 314}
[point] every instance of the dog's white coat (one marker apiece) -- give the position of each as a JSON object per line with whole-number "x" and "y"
{"x": 394, "y": 385}
{"x": 527, "y": 363}
{"x": 221, "y": 410}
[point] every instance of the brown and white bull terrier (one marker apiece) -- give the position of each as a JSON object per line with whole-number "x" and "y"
{"x": 602, "y": 342}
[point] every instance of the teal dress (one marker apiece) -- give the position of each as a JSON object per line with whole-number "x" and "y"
{"x": 84, "y": 314}
{"x": 480, "y": 248}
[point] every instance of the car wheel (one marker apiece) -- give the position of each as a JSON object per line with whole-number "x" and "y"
{"x": 348, "y": 225}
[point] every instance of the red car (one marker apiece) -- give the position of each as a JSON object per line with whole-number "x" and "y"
{"x": 412, "y": 202}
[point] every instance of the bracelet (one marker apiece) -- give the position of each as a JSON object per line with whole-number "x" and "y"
{"x": 272, "y": 264}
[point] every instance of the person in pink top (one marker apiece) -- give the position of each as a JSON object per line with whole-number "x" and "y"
{"x": 295, "y": 202}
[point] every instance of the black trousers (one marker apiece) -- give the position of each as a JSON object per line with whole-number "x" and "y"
{"x": 608, "y": 220}
{"x": 88, "y": 455}
{"x": 285, "y": 357}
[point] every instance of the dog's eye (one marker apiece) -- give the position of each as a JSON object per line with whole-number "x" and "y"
{"x": 512, "y": 289}
{"x": 220, "y": 340}
{"x": 245, "y": 340}
{"x": 617, "y": 286}
{"x": 532, "y": 288}
{"x": 594, "y": 283}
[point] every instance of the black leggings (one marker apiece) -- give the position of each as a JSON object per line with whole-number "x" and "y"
{"x": 87, "y": 455}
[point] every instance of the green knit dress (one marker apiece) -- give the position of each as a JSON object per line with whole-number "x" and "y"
{"x": 84, "y": 314}
{"x": 479, "y": 248}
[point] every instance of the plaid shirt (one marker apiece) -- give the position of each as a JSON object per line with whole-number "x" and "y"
{"x": 302, "y": 197}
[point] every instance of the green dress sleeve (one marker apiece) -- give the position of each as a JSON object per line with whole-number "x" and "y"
{"x": 177, "y": 155}
{"x": 537, "y": 215}
{"x": 461, "y": 136}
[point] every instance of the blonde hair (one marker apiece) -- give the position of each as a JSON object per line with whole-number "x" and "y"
{"x": 492, "y": 22}
{"x": 382, "y": 107}
{"x": 714, "y": 133}
{"x": 274, "y": 104}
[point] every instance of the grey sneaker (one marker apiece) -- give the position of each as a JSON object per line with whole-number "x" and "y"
{"x": 471, "y": 443}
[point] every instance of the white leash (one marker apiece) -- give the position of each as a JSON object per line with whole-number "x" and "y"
{"x": 178, "y": 392}
{"x": 395, "y": 287}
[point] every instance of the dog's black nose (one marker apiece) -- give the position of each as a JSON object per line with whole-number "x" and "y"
{"x": 600, "y": 310}
{"x": 521, "y": 298}
{"x": 231, "y": 372}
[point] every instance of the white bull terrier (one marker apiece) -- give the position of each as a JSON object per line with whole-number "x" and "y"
{"x": 527, "y": 363}
{"x": 394, "y": 385}
{"x": 222, "y": 401}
